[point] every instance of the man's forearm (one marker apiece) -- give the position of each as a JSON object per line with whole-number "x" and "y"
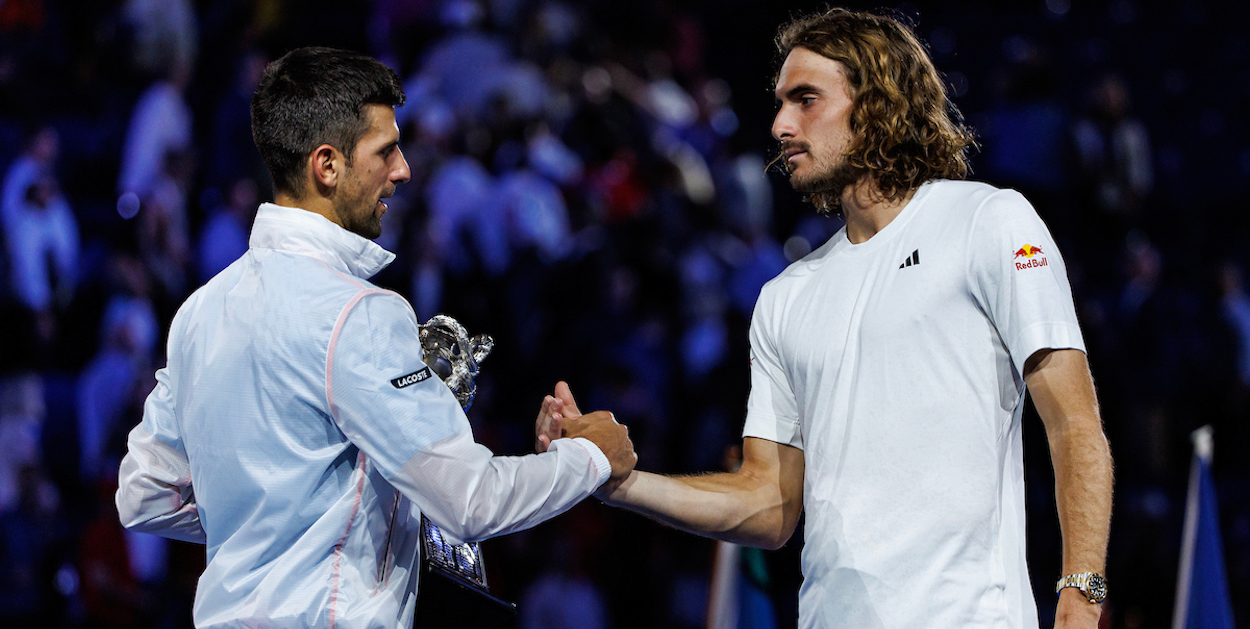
{"x": 758, "y": 505}
{"x": 1063, "y": 392}
{"x": 738, "y": 507}
{"x": 1083, "y": 485}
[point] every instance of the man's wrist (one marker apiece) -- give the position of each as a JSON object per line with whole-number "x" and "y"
{"x": 1075, "y": 612}
{"x": 1091, "y": 585}
{"x": 614, "y": 492}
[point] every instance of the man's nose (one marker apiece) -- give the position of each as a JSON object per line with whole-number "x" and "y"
{"x": 403, "y": 174}
{"x": 783, "y": 125}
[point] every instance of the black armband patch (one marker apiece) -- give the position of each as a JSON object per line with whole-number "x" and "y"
{"x": 412, "y": 378}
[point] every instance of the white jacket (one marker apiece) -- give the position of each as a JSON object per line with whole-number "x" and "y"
{"x": 297, "y": 433}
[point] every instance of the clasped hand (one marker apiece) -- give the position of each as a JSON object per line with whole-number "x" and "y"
{"x": 559, "y": 417}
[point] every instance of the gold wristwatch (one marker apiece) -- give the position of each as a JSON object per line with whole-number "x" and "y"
{"x": 1091, "y": 584}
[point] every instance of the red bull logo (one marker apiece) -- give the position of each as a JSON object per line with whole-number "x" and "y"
{"x": 1029, "y": 252}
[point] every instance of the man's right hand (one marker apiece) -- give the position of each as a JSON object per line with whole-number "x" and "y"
{"x": 611, "y": 437}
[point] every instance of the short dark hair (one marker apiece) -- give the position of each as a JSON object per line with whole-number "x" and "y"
{"x": 314, "y": 96}
{"x": 907, "y": 130}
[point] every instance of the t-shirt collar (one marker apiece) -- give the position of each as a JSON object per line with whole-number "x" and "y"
{"x": 879, "y": 239}
{"x": 306, "y": 233}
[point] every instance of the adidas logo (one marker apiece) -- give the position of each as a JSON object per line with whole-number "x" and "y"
{"x": 913, "y": 259}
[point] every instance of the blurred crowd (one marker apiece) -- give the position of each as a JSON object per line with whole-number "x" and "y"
{"x": 590, "y": 186}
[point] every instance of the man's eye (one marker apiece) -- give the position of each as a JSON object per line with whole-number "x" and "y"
{"x": 807, "y": 100}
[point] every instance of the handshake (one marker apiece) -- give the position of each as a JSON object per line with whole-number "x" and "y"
{"x": 560, "y": 417}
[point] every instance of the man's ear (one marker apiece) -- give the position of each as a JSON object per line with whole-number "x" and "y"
{"x": 325, "y": 164}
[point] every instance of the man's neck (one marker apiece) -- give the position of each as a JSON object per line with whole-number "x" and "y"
{"x": 312, "y": 203}
{"x": 867, "y": 212}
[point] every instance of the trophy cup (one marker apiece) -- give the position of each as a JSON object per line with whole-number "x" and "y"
{"x": 452, "y": 591}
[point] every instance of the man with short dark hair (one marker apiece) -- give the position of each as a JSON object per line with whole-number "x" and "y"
{"x": 296, "y": 431}
{"x": 888, "y": 367}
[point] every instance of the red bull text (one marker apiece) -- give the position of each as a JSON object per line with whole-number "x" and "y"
{"x": 1028, "y": 251}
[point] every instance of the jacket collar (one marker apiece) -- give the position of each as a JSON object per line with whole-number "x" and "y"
{"x": 304, "y": 233}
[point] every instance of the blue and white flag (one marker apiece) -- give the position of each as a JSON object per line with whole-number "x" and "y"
{"x": 1202, "y": 600}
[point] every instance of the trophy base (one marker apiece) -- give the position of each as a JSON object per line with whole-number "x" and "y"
{"x": 446, "y": 600}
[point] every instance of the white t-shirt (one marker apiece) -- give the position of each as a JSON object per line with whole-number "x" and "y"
{"x": 896, "y": 364}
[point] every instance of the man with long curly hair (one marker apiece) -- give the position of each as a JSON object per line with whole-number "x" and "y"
{"x": 889, "y": 366}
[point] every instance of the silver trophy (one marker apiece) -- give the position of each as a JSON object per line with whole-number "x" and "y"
{"x": 459, "y": 583}
{"x": 453, "y": 356}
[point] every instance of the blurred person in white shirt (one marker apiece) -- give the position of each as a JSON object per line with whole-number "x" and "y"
{"x": 42, "y": 235}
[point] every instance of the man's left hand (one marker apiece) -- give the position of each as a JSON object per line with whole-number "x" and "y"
{"x": 555, "y": 409}
{"x": 547, "y": 426}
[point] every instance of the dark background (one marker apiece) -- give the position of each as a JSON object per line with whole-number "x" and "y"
{"x": 625, "y": 260}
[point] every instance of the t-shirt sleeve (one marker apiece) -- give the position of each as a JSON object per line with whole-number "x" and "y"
{"x": 772, "y": 411}
{"x": 1019, "y": 279}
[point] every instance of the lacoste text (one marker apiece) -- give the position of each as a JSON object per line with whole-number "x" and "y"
{"x": 412, "y": 378}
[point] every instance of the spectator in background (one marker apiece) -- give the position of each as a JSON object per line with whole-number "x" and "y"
{"x": 1116, "y": 166}
{"x": 112, "y": 597}
{"x": 1023, "y": 131}
{"x": 1235, "y": 307}
{"x": 160, "y": 123}
{"x": 42, "y": 239}
{"x": 465, "y": 66}
{"x": 537, "y": 224}
{"x": 1146, "y": 332}
{"x": 562, "y": 597}
{"x": 32, "y": 533}
{"x": 466, "y": 226}
{"x": 233, "y": 155}
{"x": 105, "y": 391}
{"x": 164, "y": 236}
{"x": 107, "y": 387}
{"x": 165, "y": 33}
{"x": 22, "y": 412}
{"x": 225, "y": 236}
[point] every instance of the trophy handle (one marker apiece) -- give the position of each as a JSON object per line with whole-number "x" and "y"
{"x": 482, "y": 344}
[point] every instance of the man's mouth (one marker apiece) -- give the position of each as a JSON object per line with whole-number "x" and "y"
{"x": 383, "y": 203}
{"x": 793, "y": 150}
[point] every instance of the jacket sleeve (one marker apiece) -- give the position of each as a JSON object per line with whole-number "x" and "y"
{"x": 154, "y": 493}
{"x": 397, "y": 411}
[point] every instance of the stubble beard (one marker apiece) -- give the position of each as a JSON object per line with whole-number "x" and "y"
{"x": 360, "y": 217}
{"x": 369, "y": 226}
{"x": 824, "y": 187}
{"x": 359, "y": 212}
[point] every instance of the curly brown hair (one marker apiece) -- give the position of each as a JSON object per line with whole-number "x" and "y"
{"x": 907, "y": 131}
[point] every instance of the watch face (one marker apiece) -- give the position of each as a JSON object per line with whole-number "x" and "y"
{"x": 1097, "y": 588}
